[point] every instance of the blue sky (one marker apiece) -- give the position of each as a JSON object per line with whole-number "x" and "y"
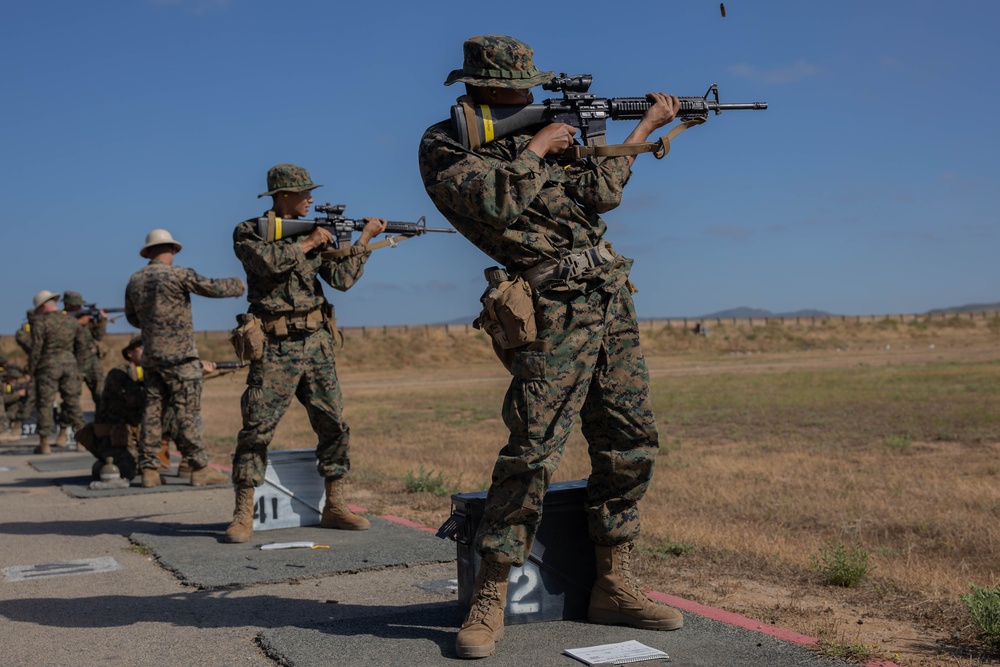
{"x": 869, "y": 186}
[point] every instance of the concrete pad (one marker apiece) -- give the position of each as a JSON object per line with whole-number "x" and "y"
{"x": 425, "y": 635}
{"x": 204, "y": 561}
{"x": 79, "y": 487}
{"x": 53, "y": 463}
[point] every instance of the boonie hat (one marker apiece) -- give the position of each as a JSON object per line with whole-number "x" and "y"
{"x": 72, "y": 299}
{"x": 44, "y": 296}
{"x": 498, "y": 61}
{"x": 132, "y": 344}
{"x": 288, "y": 178}
{"x": 158, "y": 237}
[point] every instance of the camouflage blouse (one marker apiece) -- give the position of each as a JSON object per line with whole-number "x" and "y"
{"x": 514, "y": 206}
{"x": 158, "y": 302}
{"x": 281, "y": 278}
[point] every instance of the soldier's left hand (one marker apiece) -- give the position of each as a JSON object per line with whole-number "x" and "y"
{"x": 662, "y": 110}
{"x": 373, "y": 227}
{"x": 207, "y": 366}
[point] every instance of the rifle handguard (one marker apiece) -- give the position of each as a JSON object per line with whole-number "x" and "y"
{"x": 658, "y": 148}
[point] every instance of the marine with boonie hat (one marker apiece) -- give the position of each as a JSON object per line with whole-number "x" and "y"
{"x": 89, "y": 356}
{"x": 535, "y": 213}
{"x": 288, "y": 338}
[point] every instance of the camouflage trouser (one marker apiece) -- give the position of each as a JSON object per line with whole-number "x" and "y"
{"x": 94, "y": 379}
{"x": 303, "y": 365}
{"x": 176, "y": 388}
{"x": 65, "y": 381}
{"x": 27, "y": 404}
{"x": 594, "y": 368}
{"x": 4, "y": 422}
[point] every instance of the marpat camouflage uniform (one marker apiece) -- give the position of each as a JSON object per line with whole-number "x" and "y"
{"x": 118, "y": 420}
{"x": 158, "y": 302}
{"x": 23, "y": 339}
{"x": 520, "y": 210}
{"x": 88, "y": 357}
{"x": 52, "y": 363}
{"x": 281, "y": 279}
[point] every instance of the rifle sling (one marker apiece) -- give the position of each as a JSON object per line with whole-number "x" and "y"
{"x": 657, "y": 148}
{"x": 339, "y": 253}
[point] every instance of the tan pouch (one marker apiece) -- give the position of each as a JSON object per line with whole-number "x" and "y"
{"x": 248, "y": 338}
{"x": 331, "y": 325}
{"x": 508, "y": 314}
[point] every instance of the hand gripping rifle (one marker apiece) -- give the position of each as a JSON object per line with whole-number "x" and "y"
{"x": 224, "y": 368}
{"x": 273, "y": 228}
{"x": 475, "y": 125}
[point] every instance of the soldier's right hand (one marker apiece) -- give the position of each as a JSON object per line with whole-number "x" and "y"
{"x": 553, "y": 138}
{"x": 318, "y": 238}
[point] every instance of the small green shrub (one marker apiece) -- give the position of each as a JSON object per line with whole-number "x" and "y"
{"x": 898, "y": 442}
{"x": 841, "y": 566}
{"x": 425, "y": 481}
{"x": 668, "y": 548}
{"x": 983, "y": 605}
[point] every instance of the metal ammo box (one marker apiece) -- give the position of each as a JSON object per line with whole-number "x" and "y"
{"x": 556, "y": 580}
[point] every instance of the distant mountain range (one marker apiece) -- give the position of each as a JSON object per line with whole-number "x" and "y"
{"x": 968, "y": 308}
{"x": 759, "y": 313}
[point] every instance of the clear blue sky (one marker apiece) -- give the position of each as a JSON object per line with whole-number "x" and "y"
{"x": 869, "y": 186}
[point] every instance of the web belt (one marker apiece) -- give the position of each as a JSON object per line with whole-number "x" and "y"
{"x": 568, "y": 267}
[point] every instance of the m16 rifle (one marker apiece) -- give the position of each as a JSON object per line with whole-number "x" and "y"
{"x": 224, "y": 368}
{"x": 91, "y": 310}
{"x": 273, "y": 228}
{"x": 475, "y": 125}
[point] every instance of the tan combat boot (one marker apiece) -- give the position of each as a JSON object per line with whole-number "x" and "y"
{"x": 616, "y": 598}
{"x": 61, "y": 437}
{"x": 43, "y": 445}
{"x": 184, "y": 468}
{"x": 208, "y": 476}
{"x": 151, "y": 478}
{"x": 13, "y": 436}
{"x": 483, "y": 627}
{"x": 336, "y": 513}
{"x": 241, "y": 528}
{"x": 16, "y": 426}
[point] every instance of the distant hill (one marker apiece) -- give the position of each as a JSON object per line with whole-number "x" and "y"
{"x": 968, "y": 308}
{"x": 743, "y": 312}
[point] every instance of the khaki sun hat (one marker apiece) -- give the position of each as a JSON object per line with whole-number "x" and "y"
{"x": 498, "y": 61}
{"x": 158, "y": 237}
{"x": 288, "y": 178}
{"x": 44, "y": 296}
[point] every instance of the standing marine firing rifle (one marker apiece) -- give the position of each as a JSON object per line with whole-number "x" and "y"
{"x": 475, "y": 125}
{"x": 274, "y": 228}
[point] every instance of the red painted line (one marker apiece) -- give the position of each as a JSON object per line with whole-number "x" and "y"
{"x": 409, "y": 524}
{"x": 741, "y": 621}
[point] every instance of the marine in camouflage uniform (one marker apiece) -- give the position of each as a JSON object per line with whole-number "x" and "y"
{"x": 52, "y": 363}
{"x": 538, "y": 215}
{"x": 9, "y": 399}
{"x": 283, "y": 288}
{"x": 23, "y": 339}
{"x": 89, "y": 356}
{"x": 118, "y": 418}
{"x": 158, "y": 302}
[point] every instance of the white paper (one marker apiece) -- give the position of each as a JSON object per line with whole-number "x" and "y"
{"x": 619, "y": 654}
{"x": 287, "y": 545}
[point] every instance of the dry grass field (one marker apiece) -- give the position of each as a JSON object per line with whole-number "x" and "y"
{"x": 778, "y": 440}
